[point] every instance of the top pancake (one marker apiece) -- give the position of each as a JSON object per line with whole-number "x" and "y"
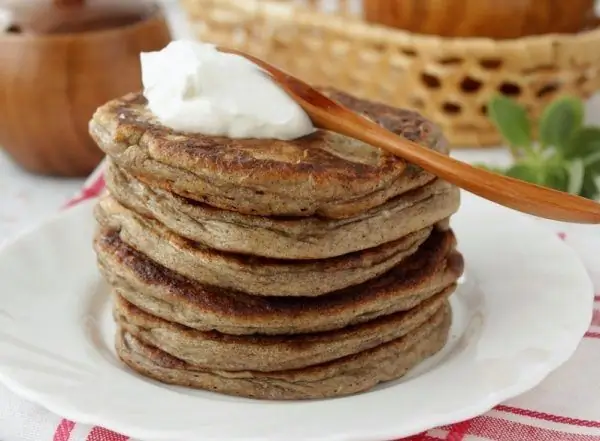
{"x": 324, "y": 173}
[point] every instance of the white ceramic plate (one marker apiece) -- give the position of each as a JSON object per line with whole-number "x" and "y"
{"x": 524, "y": 305}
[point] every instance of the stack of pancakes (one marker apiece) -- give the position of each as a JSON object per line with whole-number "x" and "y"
{"x": 309, "y": 268}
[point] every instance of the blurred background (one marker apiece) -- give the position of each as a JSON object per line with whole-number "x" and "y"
{"x": 488, "y": 72}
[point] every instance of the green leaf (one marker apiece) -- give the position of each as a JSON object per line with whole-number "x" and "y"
{"x": 590, "y": 188}
{"x": 576, "y": 175}
{"x": 596, "y": 195}
{"x": 556, "y": 175}
{"x": 592, "y": 163}
{"x": 559, "y": 121}
{"x": 553, "y": 172}
{"x": 511, "y": 120}
{"x": 591, "y": 180}
{"x": 585, "y": 142}
{"x": 527, "y": 171}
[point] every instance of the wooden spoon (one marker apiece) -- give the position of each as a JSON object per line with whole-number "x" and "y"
{"x": 513, "y": 193}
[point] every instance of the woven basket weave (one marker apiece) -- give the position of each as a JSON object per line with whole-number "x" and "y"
{"x": 448, "y": 80}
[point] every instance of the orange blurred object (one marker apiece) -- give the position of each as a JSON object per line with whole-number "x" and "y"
{"x": 498, "y": 19}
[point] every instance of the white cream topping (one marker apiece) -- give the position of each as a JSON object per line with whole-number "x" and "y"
{"x": 192, "y": 87}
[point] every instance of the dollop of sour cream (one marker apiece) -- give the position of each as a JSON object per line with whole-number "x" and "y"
{"x": 192, "y": 87}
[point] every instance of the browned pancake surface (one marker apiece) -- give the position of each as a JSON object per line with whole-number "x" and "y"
{"x": 347, "y": 375}
{"x": 285, "y": 238}
{"x": 166, "y": 294}
{"x": 269, "y": 353}
{"x": 251, "y": 274}
{"x": 323, "y": 173}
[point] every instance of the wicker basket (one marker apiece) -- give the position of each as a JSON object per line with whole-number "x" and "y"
{"x": 448, "y": 80}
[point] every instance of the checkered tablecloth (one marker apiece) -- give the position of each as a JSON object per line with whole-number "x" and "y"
{"x": 565, "y": 407}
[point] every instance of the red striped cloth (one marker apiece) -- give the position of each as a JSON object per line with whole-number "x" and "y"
{"x": 565, "y": 407}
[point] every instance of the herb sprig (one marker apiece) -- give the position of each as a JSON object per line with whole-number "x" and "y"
{"x": 567, "y": 154}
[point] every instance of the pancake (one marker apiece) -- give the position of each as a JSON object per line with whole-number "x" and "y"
{"x": 323, "y": 173}
{"x": 168, "y": 295}
{"x": 289, "y": 238}
{"x": 267, "y": 353}
{"x": 254, "y": 275}
{"x": 343, "y": 376}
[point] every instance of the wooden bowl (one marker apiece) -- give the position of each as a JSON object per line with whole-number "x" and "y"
{"x": 51, "y": 83}
{"x": 481, "y": 18}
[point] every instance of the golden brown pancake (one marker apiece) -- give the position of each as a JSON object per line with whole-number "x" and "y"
{"x": 172, "y": 297}
{"x": 214, "y": 350}
{"x": 285, "y": 238}
{"x": 323, "y": 173}
{"x": 254, "y": 275}
{"x": 343, "y": 376}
